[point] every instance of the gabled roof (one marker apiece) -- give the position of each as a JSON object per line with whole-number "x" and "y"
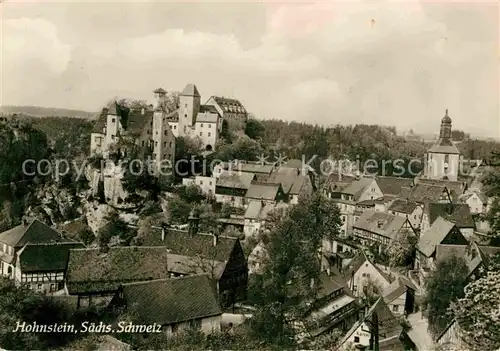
{"x": 263, "y": 191}
{"x": 207, "y": 117}
{"x": 357, "y": 187}
{"x": 252, "y": 168}
{"x": 338, "y": 181}
{"x": 289, "y": 178}
{"x": 434, "y": 236}
{"x": 208, "y": 109}
{"x": 356, "y": 264}
{"x": 392, "y": 185}
{"x": 180, "y": 242}
{"x": 457, "y": 213}
{"x": 100, "y": 123}
{"x": 190, "y": 90}
{"x": 380, "y": 223}
{"x": 90, "y": 270}
{"x": 457, "y": 187}
{"x": 423, "y": 193}
{"x": 236, "y": 180}
{"x": 229, "y": 105}
{"x": 389, "y": 326}
{"x": 173, "y": 300}
{"x": 35, "y": 232}
{"x": 257, "y": 210}
{"x": 46, "y": 257}
{"x": 403, "y": 206}
{"x": 397, "y": 288}
{"x": 113, "y": 108}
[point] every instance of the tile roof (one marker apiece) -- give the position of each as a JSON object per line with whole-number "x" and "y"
{"x": 190, "y": 90}
{"x": 180, "y": 242}
{"x": 257, "y": 210}
{"x": 207, "y": 117}
{"x": 337, "y": 181}
{"x": 290, "y": 181}
{"x": 235, "y": 179}
{"x": 457, "y": 187}
{"x": 403, "y": 206}
{"x": 392, "y": 185}
{"x": 394, "y": 294}
{"x": 230, "y": 105}
{"x": 263, "y": 191}
{"x": 90, "y": 270}
{"x": 357, "y": 187}
{"x": 423, "y": 193}
{"x": 356, "y": 264}
{"x": 457, "y": 213}
{"x": 173, "y": 300}
{"x": 252, "y": 168}
{"x": 46, "y": 257}
{"x": 181, "y": 264}
{"x": 380, "y": 223}
{"x": 35, "y": 232}
{"x": 434, "y": 236}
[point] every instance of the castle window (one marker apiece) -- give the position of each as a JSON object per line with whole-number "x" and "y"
{"x": 164, "y": 156}
{"x": 170, "y": 144}
{"x": 186, "y": 105}
{"x": 169, "y": 155}
{"x": 185, "y": 116}
{"x": 149, "y": 131}
{"x": 210, "y": 125}
{"x": 151, "y": 124}
{"x": 201, "y": 125}
{"x": 209, "y": 134}
{"x": 175, "y": 127}
{"x": 156, "y": 143}
{"x": 143, "y": 143}
{"x": 154, "y": 155}
{"x": 201, "y": 133}
{"x": 165, "y": 133}
{"x": 446, "y": 158}
{"x": 113, "y": 120}
{"x": 156, "y": 133}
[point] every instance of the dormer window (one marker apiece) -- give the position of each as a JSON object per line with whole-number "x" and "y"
{"x": 113, "y": 120}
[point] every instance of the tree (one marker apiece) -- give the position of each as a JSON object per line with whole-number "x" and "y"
{"x": 401, "y": 249}
{"x": 186, "y": 146}
{"x": 191, "y": 193}
{"x": 492, "y": 185}
{"x": 86, "y": 236}
{"x": 444, "y": 286}
{"x": 178, "y": 210}
{"x": 284, "y": 289}
{"x": 116, "y": 227}
{"x": 254, "y": 129}
{"x": 371, "y": 291}
{"x": 479, "y": 323}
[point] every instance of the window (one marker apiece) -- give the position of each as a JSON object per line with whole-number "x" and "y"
{"x": 210, "y": 125}
{"x": 195, "y": 324}
{"x": 414, "y": 216}
{"x": 169, "y": 156}
{"x": 201, "y": 133}
{"x": 201, "y": 125}
{"x": 185, "y": 116}
{"x": 186, "y": 105}
{"x": 156, "y": 143}
{"x": 175, "y": 127}
{"x": 113, "y": 120}
{"x": 143, "y": 143}
{"x": 356, "y": 339}
{"x": 164, "y": 143}
{"x": 170, "y": 144}
{"x": 156, "y": 133}
{"x": 154, "y": 155}
{"x": 210, "y": 183}
{"x": 149, "y": 131}
{"x": 52, "y": 287}
{"x": 39, "y": 286}
{"x": 209, "y": 134}
{"x": 164, "y": 156}
{"x": 165, "y": 133}
{"x": 201, "y": 182}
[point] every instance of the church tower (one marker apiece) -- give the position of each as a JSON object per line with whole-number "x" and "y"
{"x": 189, "y": 101}
{"x": 443, "y": 158}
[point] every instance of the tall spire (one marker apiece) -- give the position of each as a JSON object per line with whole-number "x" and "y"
{"x": 445, "y": 132}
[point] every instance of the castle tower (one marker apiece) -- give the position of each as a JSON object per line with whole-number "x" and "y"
{"x": 112, "y": 124}
{"x": 161, "y": 135}
{"x": 160, "y": 95}
{"x": 443, "y": 158}
{"x": 189, "y": 101}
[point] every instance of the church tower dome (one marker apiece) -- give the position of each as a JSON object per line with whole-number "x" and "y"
{"x": 446, "y": 119}
{"x": 445, "y": 132}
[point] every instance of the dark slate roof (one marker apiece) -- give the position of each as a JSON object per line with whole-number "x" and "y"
{"x": 403, "y": 206}
{"x": 46, "y": 257}
{"x": 423, "y": 193}
{"x": 180, "y": 242}
{"x": 290, "y": 181}
{"x": 35, "y": 232}
{"x": 381, "y": 223}
{"x": 229, "y": 105}
{"x": 173, "y": 300}
{"x": 100, "y": 123}
{"x": 90, "y": 270}
{"x": 357, "y": 187}
{"x": 190, "y": 90}
{"x": 136, "y": 121}
{"x": 392, "y": 185}
{"x": 113, "y": 108}
{"x": 262, "y": 191}
{"x": 456, "y": 213}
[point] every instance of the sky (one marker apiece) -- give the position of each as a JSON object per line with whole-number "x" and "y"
{"x": 375, "y": 62}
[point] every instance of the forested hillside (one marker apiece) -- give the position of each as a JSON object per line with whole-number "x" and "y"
{"x": 37, "y": 111}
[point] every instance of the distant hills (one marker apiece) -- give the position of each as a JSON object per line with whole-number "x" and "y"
{"x": 37, "y": 111}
